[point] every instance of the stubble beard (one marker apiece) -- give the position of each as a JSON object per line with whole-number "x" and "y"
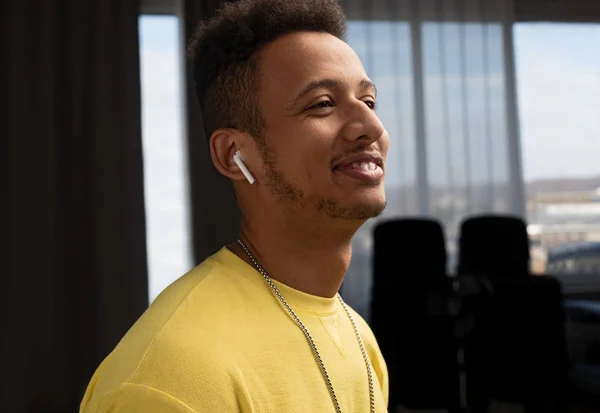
{"x": 287, "y": 192}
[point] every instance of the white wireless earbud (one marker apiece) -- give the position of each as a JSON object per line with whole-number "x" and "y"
{"x": 239, "y": 161}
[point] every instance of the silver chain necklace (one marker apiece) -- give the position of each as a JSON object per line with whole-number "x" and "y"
{"x": 310, "y": 339}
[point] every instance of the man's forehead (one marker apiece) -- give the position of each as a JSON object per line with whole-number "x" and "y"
{"x": 299, "y": 59}
{"x": 301, "y": 50}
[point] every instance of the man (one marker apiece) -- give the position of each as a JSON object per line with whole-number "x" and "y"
{"x": 259, "y": 327}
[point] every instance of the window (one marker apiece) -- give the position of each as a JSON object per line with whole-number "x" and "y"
{"x": 558, "y": 74}
{"x": 463, "y": 140}
{"x": 465, "y": 123}
{"x": 168, "y": 241}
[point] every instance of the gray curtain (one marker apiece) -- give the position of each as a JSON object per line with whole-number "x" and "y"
{"x": 74, "y": 275}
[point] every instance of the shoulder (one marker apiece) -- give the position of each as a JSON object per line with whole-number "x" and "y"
{"x": 182, "y": 370}
{"x": 201, "y": 300}
{"x": 195, "y": 367}
{"x": 181, "y": 349}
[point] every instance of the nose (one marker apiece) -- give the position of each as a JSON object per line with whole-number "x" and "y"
{"x": 363, "y": 125}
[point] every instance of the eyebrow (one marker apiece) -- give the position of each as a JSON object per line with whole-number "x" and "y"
{"x": 331, "y": 84}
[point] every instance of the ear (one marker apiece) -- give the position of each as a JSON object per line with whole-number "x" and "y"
{"x": 223, "y": 144}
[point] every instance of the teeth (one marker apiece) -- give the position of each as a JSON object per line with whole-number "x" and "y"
{"x": 365, "y": 166}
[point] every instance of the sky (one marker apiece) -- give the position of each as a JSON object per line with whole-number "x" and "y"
{"x": 167, "y": 219}
{"x": 558, "y": 74}
{"x": 558, "y": 90}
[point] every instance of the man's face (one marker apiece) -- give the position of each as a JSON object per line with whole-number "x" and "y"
{"x": 323, "y": 146}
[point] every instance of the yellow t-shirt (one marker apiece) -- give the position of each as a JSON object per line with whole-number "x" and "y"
{"x": 218, "y": 340}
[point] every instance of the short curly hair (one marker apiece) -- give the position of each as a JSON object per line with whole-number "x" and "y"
{"x": 225, "y": 49}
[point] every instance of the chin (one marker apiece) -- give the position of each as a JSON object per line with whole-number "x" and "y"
{"x": 357, "y": 206}
{"x": 359, "y": 210}
{"x": 370, "y": 210}
{"x": 375, "y": 200}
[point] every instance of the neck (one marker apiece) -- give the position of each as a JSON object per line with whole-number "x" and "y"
{"x": 299, "y": 254}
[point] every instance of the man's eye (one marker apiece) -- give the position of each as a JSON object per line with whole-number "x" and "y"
{"x": 323, "y": 104}
{"x": 371, "y": 104}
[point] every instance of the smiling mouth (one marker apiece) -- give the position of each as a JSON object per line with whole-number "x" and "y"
{"x": 366, "y": 172}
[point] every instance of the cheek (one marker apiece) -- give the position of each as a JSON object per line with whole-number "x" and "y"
{"x": 308, "y": 168}
{"x": 305, "y": 155}
{"x": 315, "y": 165}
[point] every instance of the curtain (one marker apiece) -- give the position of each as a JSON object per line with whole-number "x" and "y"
{"x": 74, "y": 278}
{"x": 210, "y": 192}
{"x": 444, "y": 71}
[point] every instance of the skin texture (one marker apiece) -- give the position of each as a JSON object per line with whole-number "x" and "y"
{"x": 308, "y": 201}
